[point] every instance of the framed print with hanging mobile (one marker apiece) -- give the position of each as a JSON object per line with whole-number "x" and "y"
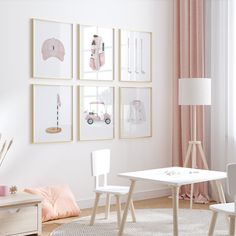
{"x": 52, "y": 50}
{"x": 135, "y": 112}
{"x": 135, "y": 56}
{"x": 52, "y": 113}
{"x": 96, "y": 53}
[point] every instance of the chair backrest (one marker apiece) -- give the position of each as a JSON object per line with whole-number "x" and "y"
{"x": 100, "y": 165}
{"x": 231, "y": 178}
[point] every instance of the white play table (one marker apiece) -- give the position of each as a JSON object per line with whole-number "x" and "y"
{"x": 175, "y": 177}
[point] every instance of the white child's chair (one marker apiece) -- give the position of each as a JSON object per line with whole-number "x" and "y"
{"x": 228, "y": 208}
{"x": 101, "y": 167}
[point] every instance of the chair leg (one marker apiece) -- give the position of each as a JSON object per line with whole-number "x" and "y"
{"x": 107, "y": 210}
{"x": 213, "y": 223}
{"x": 132, "y": 211}
{"x": 95, "y": 209}
{"x": 231, "y": 225}
{"x": 118, "y": 205}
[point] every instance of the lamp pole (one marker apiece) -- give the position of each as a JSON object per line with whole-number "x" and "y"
{"x": 194, "y": 111}
{"x": 192, "y": 149}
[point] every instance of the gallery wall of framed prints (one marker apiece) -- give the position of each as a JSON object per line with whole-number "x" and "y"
{"x": 52, "y": 103}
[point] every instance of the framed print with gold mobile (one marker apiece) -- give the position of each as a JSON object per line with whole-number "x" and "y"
{"x": 96, "y": 112}
{"x": 135, "y": 112}
{"x": 96, "y": 53}
{"x": 135, "y": 56}
{"x": 52, "y": 50}
{"x": 52, "y": 113}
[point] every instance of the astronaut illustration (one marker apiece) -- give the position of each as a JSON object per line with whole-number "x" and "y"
{"x": 97, "y": 59}
{"x": 136, "y": 112}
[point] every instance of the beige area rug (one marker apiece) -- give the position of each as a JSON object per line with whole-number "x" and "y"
{"x": 150, "y": 222}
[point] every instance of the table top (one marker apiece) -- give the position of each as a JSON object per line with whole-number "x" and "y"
{"x": 175, "y": 176}
{"x": 19, "y": 199}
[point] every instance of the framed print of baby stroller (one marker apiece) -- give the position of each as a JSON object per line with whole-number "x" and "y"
{"x": 96, "y": 47}
{"x": 52, "y": 113}
{"x": 96, "y": 112}
{"x": 135, "y": 112}
{"x": 135, "y": 56}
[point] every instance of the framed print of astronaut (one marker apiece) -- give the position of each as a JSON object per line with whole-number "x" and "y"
{"x": 52, "y": 50}
{"x": 135, "y": 112}
{"x": 52, "y": 113}
{"x": 135, "y": 56}
{"x": 96, "y": 53}
{"x": 96, "y": 112}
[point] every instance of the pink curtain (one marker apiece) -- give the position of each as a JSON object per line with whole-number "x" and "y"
{"x": 188, "y": 62}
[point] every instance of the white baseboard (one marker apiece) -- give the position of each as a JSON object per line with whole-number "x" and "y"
{"x": 141, "y": 195}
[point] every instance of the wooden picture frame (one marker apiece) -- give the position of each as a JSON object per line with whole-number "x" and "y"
{"x": 96, "y": 112}
{"x": 135, "y": 112}
{"x": 135, "y": 49}
{"x": 52, "y": 113}
{"x": 52, "y": 50}
{"x": 96, "y": 53}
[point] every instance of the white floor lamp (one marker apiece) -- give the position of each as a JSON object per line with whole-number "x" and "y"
{"x": 194, "y": 92}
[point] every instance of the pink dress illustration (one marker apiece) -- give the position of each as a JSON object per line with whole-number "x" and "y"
{"x": 97, "y": 59}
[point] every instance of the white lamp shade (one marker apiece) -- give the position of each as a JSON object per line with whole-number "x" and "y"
{"x": 195, "y": 91}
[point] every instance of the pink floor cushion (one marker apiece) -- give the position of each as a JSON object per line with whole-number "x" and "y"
{"x": 59, "y": 202}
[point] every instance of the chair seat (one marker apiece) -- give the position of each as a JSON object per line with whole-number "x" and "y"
{"x": 121, "y": 190}
{"x": 227, "y": 208}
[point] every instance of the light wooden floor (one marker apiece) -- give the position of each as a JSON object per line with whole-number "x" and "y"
{"x": 163, "y": 202}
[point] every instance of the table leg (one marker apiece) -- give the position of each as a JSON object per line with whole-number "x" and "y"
{"x": 122, "y": 225}
{"x": 132, "y": 211}
{"x": 175, "y": 202}
{"x": 191, "y": 196}
{"x": 220, "y": 191}
{"x": 232, "y": 226}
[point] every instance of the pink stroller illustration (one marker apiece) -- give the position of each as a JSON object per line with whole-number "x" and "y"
{"x": 97, "y": 58}
{"x": 96, "y": 113}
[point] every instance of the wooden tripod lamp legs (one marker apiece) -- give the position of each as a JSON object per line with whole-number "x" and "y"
{"x": 192, "y": 148}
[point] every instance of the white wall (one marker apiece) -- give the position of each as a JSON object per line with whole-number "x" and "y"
{"x": 46, "y": 164}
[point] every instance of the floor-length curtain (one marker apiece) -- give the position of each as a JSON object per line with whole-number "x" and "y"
{"x": 223, "y": 73}
{"x": 188, "y": 62}
{"x": 231, "y": 84}
{"x": 219, "y": 74}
